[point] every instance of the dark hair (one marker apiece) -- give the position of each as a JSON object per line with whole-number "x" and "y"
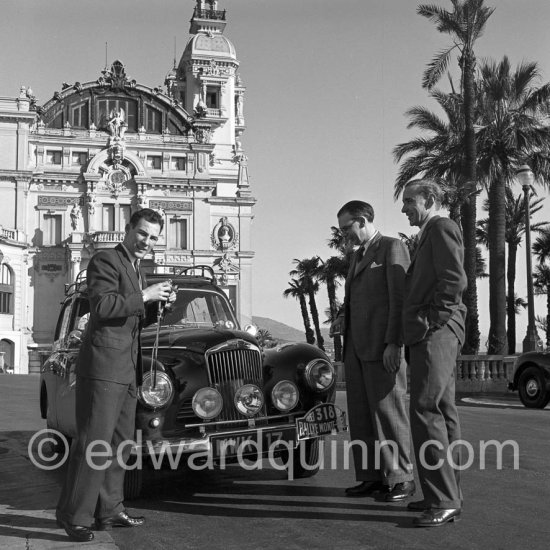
{"x": 147, "y": 214}
{"x": 426, "y": 187}
{"x": 356, "y": 209}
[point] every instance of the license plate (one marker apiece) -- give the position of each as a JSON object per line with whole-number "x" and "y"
{"x": 254, "y": 442}
{"x": 323, "y": 419}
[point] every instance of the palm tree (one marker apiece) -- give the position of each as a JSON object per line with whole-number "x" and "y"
{"x": 515, "y": 230}
{"x": 512, "y": 124}
{"x": 329, "y": 272}
{"x": 542, "y": 324}
{"x": 541, "y": 275}
{"x": 541, "y": 282}
{"x": 465, "y": 24}
{"x": 437, "y": 155}
{"x": 306, "y": 271}
{"x": 265, "y": 338}
{"x": 296, "y": 290}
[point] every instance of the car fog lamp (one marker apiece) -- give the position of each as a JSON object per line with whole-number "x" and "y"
{"x": 159, "y": 395}
{"x": 249, "y": 400}
{"x": 319, "y": 375}
{"x": 154, "y": 422}
{"x": 284, "y": 395}
{"x": 207, "y": 403}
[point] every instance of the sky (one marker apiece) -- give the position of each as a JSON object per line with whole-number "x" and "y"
{"x": 328, "y": 84}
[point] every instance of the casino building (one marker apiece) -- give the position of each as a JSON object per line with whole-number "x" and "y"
{"x": 73, "y": 170}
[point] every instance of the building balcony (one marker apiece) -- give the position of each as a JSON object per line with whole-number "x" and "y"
{"x": 11, "y": 235}
{"x": 107, "y": 237}
{"x": 218, "y": 15}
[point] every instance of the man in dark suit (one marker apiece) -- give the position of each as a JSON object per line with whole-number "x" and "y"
{"x": 433, "y": 325}
{"x": 376, "y": 381}
{"x": 108, "y": 363}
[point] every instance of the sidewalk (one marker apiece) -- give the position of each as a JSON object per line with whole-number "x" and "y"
{"x": 28, "y": 495}
{"x": 27, "y": 500}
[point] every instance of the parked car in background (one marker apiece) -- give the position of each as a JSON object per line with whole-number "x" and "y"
{"x": 531, "y": 379}
{"x": 208, "y": 387}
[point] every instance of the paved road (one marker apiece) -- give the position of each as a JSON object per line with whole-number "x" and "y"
{"x": 505, "y": 506}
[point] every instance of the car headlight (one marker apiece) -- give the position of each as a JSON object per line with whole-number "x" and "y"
{"x": 284, "y": 395}
{"x": 158, "y": 396}
{"x": 249, "y": 400}
{"x": 207, "y": 403}
{"x": 319, "y": 374}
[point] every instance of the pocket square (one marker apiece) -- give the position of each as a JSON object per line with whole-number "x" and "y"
{"x": 374, "y": 264}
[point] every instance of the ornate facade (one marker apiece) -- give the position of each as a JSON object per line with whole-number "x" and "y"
{"x": 74, "y": 169}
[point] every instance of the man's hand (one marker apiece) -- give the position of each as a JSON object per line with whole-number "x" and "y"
{"x": 159, "y": 292}
{"x": 392, "y": 358}
{"x": 337, "y": 326}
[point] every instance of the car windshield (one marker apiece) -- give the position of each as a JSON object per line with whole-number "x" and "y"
{"x": 199, "y": 308}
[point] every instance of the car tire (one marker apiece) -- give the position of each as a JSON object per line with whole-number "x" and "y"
{"x": 305, "y": 462}
{"x": 532, "y": 388}
{"x": 133, "y": 483}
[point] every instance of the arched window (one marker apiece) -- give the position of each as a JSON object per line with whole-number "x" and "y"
{"x": 6, "y": 289}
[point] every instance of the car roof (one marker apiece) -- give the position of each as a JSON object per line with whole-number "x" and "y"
{"x": 184, "y": 277}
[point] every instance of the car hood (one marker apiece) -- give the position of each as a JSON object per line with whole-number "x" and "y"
{"x": 194, "y": 339}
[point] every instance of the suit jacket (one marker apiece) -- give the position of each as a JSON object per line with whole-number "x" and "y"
{"x": 374, "y": 297}
{"x": 111, "y": 347}
{"x": 435, "y": 282}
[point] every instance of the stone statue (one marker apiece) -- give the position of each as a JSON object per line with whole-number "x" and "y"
{"x": 117, "y": 124}
{"x": 75, "y": 215}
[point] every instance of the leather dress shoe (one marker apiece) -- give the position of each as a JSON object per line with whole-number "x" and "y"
{"x": 400, "y": 491}
{"x": 418, "y": 506}
{"x": 437, "y": 516}
{"x": 77, "y": 533}
{"x": 122, "y": 519}
{"x": 366, "y": 488}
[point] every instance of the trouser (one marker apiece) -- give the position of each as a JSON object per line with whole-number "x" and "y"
{"x": 379, "y": 425}
{"x": 105, "y": 414}
{"x": 434, "y": 418}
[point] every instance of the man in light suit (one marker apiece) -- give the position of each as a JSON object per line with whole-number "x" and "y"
{"x": 376, "y": 381}
{"x": 108, "y": 371}
{"x": 433, "y": 325}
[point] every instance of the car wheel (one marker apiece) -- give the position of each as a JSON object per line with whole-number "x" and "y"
{"x": 532, "y": 388}
{"x": 133, "y": 483}
{"x": 305, "y": 459}
{"x": 43, "y": 402}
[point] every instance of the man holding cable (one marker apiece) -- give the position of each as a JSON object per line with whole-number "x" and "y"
{"x": 107, "y": 376}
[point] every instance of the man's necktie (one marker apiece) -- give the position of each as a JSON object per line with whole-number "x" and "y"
{"x": 138, "y": 272}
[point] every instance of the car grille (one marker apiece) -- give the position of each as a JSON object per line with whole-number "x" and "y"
{"x": 231, "y": 367}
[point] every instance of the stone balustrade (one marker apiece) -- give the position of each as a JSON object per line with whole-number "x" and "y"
{"x": 473, "y": 373}
{"x": 484, "y": 373}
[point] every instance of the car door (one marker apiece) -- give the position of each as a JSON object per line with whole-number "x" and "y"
{"x": 69, "y": 346}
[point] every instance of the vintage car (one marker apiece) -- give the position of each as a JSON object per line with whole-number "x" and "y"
{"x": 209, "y": 390}
{"x": 531, "y": 379}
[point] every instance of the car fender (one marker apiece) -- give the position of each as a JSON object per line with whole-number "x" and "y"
{"x": 537, "y": 359}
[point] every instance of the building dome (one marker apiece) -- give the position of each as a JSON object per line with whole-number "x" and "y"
{"x": 210, "y": 45}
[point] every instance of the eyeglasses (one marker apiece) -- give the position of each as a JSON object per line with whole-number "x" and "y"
{"x": 347, "y": 227}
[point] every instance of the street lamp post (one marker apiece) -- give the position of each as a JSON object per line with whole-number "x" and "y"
{"x": 526, "y": 178}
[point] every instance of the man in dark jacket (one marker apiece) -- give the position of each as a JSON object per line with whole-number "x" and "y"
{"x": 376, "y": 382}
{"x": 106, "y": 385}
{"x": 433, "y": 328}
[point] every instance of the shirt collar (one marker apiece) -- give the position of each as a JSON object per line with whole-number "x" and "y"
{"x": 366, "y": 244}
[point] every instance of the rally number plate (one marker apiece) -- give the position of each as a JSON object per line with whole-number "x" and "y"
{"x": 323, "y": 419}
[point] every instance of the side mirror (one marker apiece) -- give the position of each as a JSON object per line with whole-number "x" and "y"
{"x": 74, "y": 339}
{"x": 251, "y": 329}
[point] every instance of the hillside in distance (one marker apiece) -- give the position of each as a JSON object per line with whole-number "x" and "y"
{"x": 283, "y": 332}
